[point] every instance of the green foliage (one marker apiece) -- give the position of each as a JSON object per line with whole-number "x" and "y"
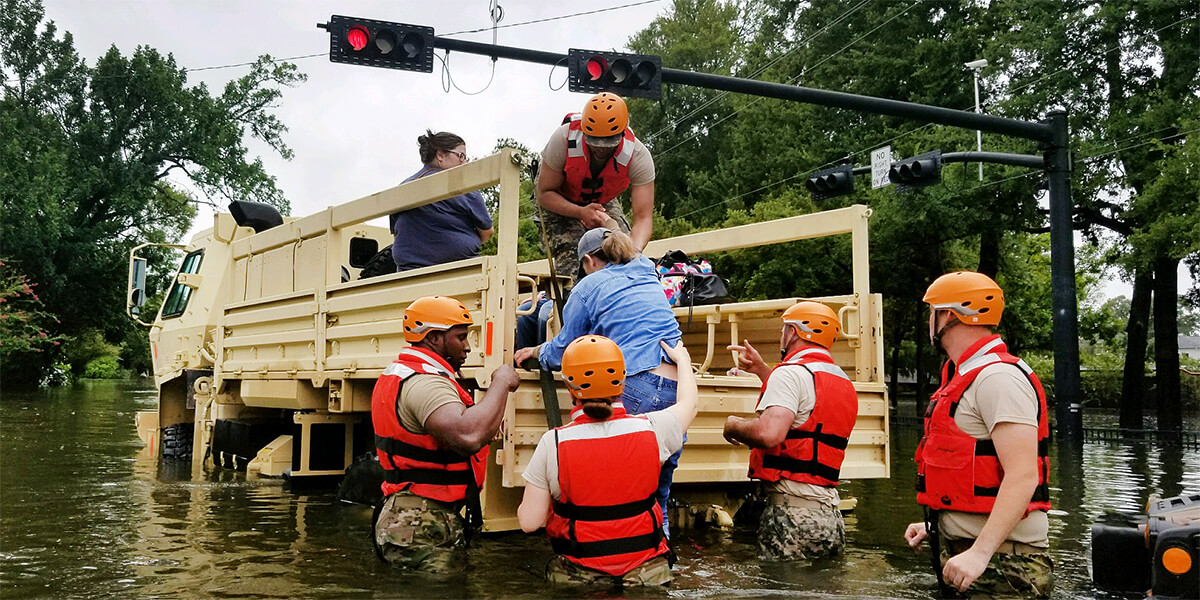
{"x": 88, "y": 347}
{"x": 105, "y": 367}
{"x": 721, "y": 157}
{"x": 86, "y": 150}
{"x": 529, "y": 242}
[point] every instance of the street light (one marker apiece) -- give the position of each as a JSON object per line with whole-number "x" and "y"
{"x": 975, "y": 66}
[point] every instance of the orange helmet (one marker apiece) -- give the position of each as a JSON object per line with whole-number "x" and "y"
{"x": 605, "y": 115}
{"x": 433, "y": 313}
{"x": 593, "y": 368}
{"x": 813, "y": 322}
{"x": 974, "y": 297}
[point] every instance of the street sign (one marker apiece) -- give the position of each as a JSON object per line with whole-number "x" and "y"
{"x": 881, "y": 161}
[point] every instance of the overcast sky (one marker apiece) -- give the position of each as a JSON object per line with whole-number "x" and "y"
{"x": 353, "y": 129}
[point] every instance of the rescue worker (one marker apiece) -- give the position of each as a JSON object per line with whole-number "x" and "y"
{"x": 432, "y": 440}
{"x": 590, "y": 160}
{"x": 592, "y": 483}
{"x": 982, "y": 465}
{"x": 622, "y": 299}
{"x": 806, "y": 411}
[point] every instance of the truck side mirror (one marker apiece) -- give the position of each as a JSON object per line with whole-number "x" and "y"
{"x": 137, "y": 282}
{"x": 362, "y": 250}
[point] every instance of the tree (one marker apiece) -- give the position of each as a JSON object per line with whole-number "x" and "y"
{"x": 1129, "y": 72}
{"x": 88, "y": 155}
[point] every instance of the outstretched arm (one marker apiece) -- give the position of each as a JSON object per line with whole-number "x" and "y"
{"x": 465, "y": 429}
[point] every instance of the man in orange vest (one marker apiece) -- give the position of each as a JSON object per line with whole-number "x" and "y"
{"x": 432, "y": 440}
{"x": 806, "y": 412}
{"x": 589, "y": 161}
{"x": 982, "y": 467}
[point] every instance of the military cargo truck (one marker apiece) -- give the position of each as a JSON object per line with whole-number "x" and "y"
{"x": 267, "y": 346}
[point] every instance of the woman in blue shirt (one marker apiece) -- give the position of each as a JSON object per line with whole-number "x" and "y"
{"x": 447, "y": 230}
{"x": 621, "y": 299}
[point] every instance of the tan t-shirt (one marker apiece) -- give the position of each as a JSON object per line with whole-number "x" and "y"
{"x": 554, "y": 157}
{"x": 542, "y": 470}
{"x": 792, "y": 387}
{"x": 420, "y": 396}
{"x": 1000, "y": 394}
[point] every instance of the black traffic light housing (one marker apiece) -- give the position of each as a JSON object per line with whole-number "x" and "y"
{"x": 918, "y": 171}
{"x": 628, "y": 75}
{"x": 379, "y": 43}
{"x": 829, "y": 183}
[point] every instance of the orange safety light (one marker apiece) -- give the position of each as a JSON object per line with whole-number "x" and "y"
{"x": 1177, "y": 560}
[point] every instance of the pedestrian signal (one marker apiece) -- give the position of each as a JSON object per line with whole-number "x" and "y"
{"x": 379, "y": 43}
{"x": 629, "y": 75}
{"x": 837, "y": 181}
{"x": 918, "y": 171}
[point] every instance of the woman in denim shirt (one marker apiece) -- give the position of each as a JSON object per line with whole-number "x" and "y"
{"x": 621, "y": 299}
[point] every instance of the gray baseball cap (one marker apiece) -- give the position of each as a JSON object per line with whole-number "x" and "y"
{"x": 591, "y": 241}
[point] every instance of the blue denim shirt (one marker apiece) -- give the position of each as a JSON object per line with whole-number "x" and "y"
{"x": 624, "y": 303}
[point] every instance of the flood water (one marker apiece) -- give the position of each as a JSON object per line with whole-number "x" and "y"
{"x": 85, "y": 511}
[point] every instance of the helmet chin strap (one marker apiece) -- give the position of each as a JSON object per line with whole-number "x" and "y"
{"x": 937, "y": 335}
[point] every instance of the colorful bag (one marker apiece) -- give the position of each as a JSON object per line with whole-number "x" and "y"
{"x": 688, "y": 282}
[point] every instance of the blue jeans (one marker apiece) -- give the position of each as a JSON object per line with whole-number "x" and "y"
{"x": 531, "y": 328}
{"x": 646, "y": 392}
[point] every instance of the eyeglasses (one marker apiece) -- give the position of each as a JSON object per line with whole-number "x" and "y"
{"x": 461, "y": 155}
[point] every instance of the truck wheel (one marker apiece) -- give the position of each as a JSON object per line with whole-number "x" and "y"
{"x": 177, "y": 441}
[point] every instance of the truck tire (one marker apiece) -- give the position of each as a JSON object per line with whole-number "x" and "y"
{"x": 177, "y": 441}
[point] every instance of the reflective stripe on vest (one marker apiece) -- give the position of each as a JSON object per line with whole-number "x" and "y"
{"x": 579, "y": 186}
{"x": 607, "y": 517}
{"x": 955, "y": 471}
{"x": 417, "y": 462}
{"x": 814, "y": 452}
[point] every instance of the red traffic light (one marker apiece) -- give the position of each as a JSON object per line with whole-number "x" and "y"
{"x": 597, "y": 66}
{"x": 357, "y": 37}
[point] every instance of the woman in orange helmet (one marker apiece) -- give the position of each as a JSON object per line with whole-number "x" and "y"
{"x": 593, "y": 482}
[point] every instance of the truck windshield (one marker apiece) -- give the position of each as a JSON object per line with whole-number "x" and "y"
{"x": 178, "y": 298}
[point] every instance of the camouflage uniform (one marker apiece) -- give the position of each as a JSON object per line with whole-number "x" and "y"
{"x": 417, "y": 534}
{"x": 656, "y": 571}
{"x": 564, "y": 233}
{"x": 1027, "y": 573}
{"x": 791, "y": 532}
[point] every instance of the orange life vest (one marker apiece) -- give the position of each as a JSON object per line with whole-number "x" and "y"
{"x": 955, "y": 471}
{"x": 813, "y": 452}
{"x": 579, "y": 186}
{"x": 418, "y": 462}
{"x": 607, "y": 516}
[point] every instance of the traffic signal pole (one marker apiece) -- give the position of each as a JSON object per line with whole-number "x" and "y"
{"x": 1051, "y": 135}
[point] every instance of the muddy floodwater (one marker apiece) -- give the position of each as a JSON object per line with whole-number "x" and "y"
{"x": 85, "y": 511}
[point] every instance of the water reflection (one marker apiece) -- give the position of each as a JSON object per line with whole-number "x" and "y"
{"x": 86, "y": 511}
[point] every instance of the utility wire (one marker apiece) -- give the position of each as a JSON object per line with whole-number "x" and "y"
{"x": 799, "y": 44}
{"x": 801, "y": 74}
{"x": 568, "y": 16}
{"x": 1011, "y": 91}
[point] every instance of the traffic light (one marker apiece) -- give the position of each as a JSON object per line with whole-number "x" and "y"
{"x": 837, "y": 181}
{"x": 379, "y": 43}
{"x": 629, "y": 75}
{"x": 918, "y": 171}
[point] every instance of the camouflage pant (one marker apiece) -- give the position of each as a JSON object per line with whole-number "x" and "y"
{"x": 564, "y": 233}
{"x": 1011, "y": 576}
{"x": 421, "y": 535}
{"x": 653, "y": 572}
{"x": 793, "y": 533}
